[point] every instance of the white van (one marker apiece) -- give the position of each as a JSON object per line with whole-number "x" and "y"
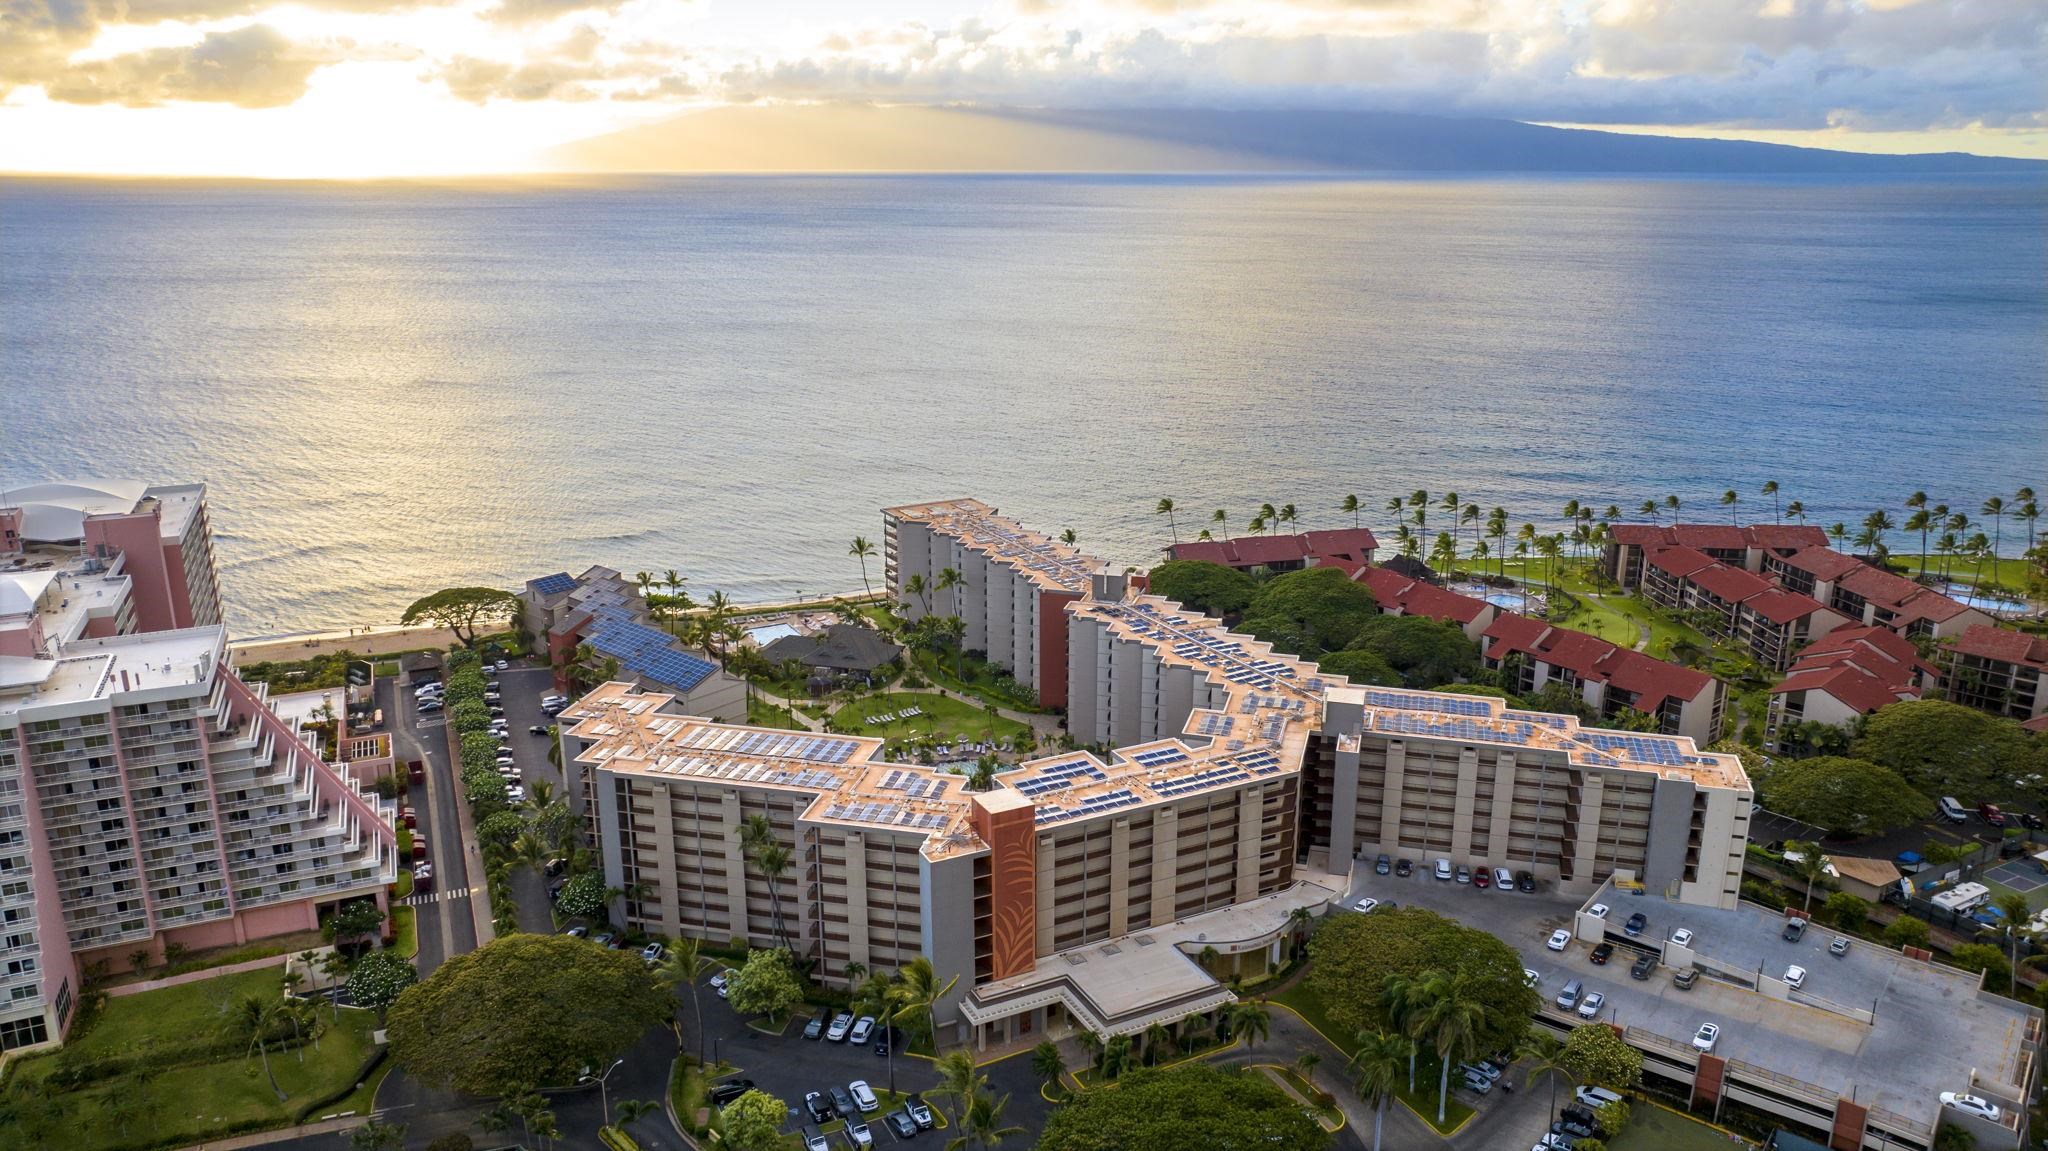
{"x": 1952, "y": 811}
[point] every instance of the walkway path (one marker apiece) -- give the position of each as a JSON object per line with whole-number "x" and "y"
{"x": 1290, "y": 1037}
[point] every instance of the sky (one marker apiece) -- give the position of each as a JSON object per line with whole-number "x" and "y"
{"x": 404, "y": 88}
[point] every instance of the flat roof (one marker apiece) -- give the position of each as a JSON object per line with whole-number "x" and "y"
{"x": 90, "y": 669}
{"x": 65, "y": 587}
{"x": 1932, "y": 1027}
{"x": 1045, "y": 561}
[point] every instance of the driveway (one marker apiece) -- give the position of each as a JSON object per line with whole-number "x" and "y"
{"x": 443, "y": 915}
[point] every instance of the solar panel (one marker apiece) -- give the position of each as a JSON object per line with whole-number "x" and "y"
{"x": 554, "y": 584}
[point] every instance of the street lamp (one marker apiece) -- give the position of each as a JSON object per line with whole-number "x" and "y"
{"x": 603, "y": 1090}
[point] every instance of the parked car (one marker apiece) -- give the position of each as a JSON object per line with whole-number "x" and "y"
{"x": 419, "y": 847}
{"x": 1531, "y": 977}
{"x": 1525, "y": 881}
{"x": 1642, "y": 967}
{"x": 841, "y": 1024}
{"x": 1989, "y": 813}
{"x": 1482, "y": 879}
{"x": 418, "y": 770}
{"x": 1503, "y": 879}
{"x": 1635, "y": 925}
{"x": 609, "y": 940}
{"x": 1594, "y": 1098}
{"x": 901, "y": 1125}
{"x": 503, "y": 665}
{"x": 918, "y": 1111}
{"x": 1597, "y": 911}
{"x": 814, "y": 1141}
{"x": 653, "y": 953}
{"x": 1443, "y": 869}
{"x": 731, "y": 1089}
{"x": 1794, "y": 928}
{"x": 1795, "y": 977}
{"x": 516, "y": 793}
{"x": 1559, "y": 940}
{"x": 2030, "y": 821}
{"x": 408, "y": 817}
{"x": 1404, "y": 868}
{"x": 815, "y": 1029}
{"x": 1839, "y": 947}
{"x": 842, "y": 1102}
{"x": 430, "y": 705}
{"x": 1976, "y": 1105}
{"x": 864, "y": 1096}
{"x": 1365, "y": 905}
{"x": 555, "y": 866}
{"x": 1383, "y": 865}
{"x": 819, "y": 1107}
{"x": 1583, "y": 1116}
{"x": 1602, "y": 951}
{"x": 1682, "y": 937}
{"x": 862, "y": 1028}
{"x": 537, "y": 729}
{"x": 885, "y": 1038}
{"x": 1464, "y": 874}
{"x": 1487, "y": 1070}
{"x": 1589, "y": 1007}
{"x": 1568, "y": 1124}
{"x": 423, "y": 878}
{"x": 581, "y": 932}
{"x": 861, "y": 1136}
{"x": 1476, "y": 1084}
{"x": 722, "y": 983}
{"x": 1705, "y": 1038}
{"x": 1685, "y": 978}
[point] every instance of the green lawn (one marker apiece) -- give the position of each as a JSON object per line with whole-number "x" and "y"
{"x": 405, "y": 931}
{"x": 979, "y": 680}
{"x": 1652, "y": 1128}
{"x": 188, "y": 1102}
{"x": 2011, "y": 571}
{"x": 1309, "y": 1006}
{"x": 761, "y": 713}
{"x": 942, "y": 717}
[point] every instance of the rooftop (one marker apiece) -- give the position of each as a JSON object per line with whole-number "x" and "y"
{"x": 1352, "y": 544}
{"x": 1650, "y": 680}
{"x": 94, "y": 669}
{"x": 1863, "y": 667}
{"x": 2003, "y": 645}
{"x": 65, "y": 587}
{"x": 56, "y": 512}
{"x": 1045, "y": 561}
{"x": 1720, "y": 537}
{"x": 1417, "y": 597}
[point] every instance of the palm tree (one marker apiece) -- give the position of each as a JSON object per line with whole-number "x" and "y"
{"x": 1671, "y": 505}
{"x": 2028, "y": 511}
{"x": 1544, "y": 1056}
{"x": 252, "y": 1018}
{"x": 1249, "y": 1018}
{"x": 1469, "y": 514}
{"x": 1995, "y": 508}
{"x": 1269, "y": 515}
{"x": 333, "y": 965}
{"x": 1443, "y": 553}
{"x": 1497, "y": 527}
{"x": 1729, "y": 500}
{"x": 1838, "y": 532}
{"x": 862, "y": 550}
{"x": 1810, "y": 865}
{"x": 1376, "y": 1072}
{"x": 1092, "y": 1044}
{"x": 1879, "y": 522}
{"x": 632, "y": 1109}
{"x": 2017, "y": 913}
{"x": 773, "y": 861}
{"x": 679, "y": 969}
{"x": 1796, "y": 510}
{"x": 1944, "y": 546}
{"x": 674, "y": 580}
{"x": 959, "y": 1080}
{"x": 950, "y": 578}
{"x": 1923, "y": 523}
{"x": 1069, "y": 537}
{"x": 918, "y": 991}
{"x": 1479, "y": 554}
{"x": 1221, "y": 519}
{"x": 1395, "y": 505}
{"x": 1257, "y": 525}
{"x": 982, "y": 1125}
{"x": 1770, "y": 489}
{"x": 1449, "y": 1018}
{"x": 1350, "y": 505}
{"x": 377, "y": 1135}
{"x": 1047, "y": 1063}
{"x": 919, "y": 589}
{"x": 1305, "y": 1065}
{"x": 1550, "y": 548}
{"x": 645, "y": 580}
{"x": 1156, "y": 1036}
{"x": 1649, "y": 510}
{"x": 1165, "y": 508}
{"x": 1287, "y": 514}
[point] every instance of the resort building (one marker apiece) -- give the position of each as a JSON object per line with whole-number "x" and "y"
{"x": 1850, "y": 673}
{"x": 834, "y": 650}
{"x": 1734, "y": 603}
{"x": 1609, "y": 678}
{"x": 1400, "y": 594}
{"x": 1112, "y": 889}
{"x": 156, "y": 538}
{"x": 1997, "y": 670}
{"x": 1008, "y": 585}
{"x": 1748, "y": 548}
{"x": 604, "y": 610}
{"x": 148, "y": 797}
{"x": 1348, "y": 546}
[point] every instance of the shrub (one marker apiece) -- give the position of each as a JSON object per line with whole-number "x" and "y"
{"x": 1906, "y": 931}
{"x": 582, "y": 896}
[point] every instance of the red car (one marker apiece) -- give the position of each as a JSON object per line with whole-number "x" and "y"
{"x": 406, "y": 814}
{"x": 1990, "y": 814}
{"x": 1480, "y": 879}
{"x": 418, "y": 769}
{"x": 419, "y": 847}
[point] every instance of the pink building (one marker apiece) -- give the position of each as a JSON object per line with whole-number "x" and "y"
{"x": 157, "y": 536}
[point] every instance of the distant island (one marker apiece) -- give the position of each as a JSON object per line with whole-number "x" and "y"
{"x": 870, "y": 138}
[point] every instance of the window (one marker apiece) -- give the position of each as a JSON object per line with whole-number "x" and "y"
{"x": 26, "y": 991}
{"x": 23, "y": 1033}
{"x": 22, "y": 966}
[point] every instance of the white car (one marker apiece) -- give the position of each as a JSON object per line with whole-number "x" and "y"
{"x": 516, "y": 793}
{"x": 503, "y": 665}
{"x": 1559, "y": 940}
{"x": 1589, "y": 1007}
{"x": 1594, "y": 1098}
{"x": 1682, "y": 937}
{"x": 1976, "y": 1105}
{"x": 841, "y": 1024}
{"x": 1531, "y": 976}
{"x": 1705, "y": 1038}
{"x": 815, "y": 1142}
{"x": 862, "y": 1137}
{"x": 1795, "y": 977}
{"x": 1365, "y": 905}
{"x": 722, "y": 983}
{"x": 862, "y": 1028}
{"x": 1503, "y": 879}
{"x": 1597, "y": 911}
{"x": 864, "y": 1096}
{"x": 1443, "y": 869}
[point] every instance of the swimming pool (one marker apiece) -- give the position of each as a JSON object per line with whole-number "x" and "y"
{"x": 1509, "y": 600}
{"x": 1962, "y": 594}
{"x": 763, "y": 636}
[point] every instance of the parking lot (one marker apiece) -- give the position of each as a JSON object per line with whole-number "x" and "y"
{"x": 790, "y": 1067}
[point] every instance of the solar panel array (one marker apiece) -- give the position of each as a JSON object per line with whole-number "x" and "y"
{"x": 915, "y": 784}
{"x": 1439, "y": 704}
{"x": 748, "y": 771}
{"x": 1546, "y": 719}
{"x": 1226, "y": 772}
{"x": 646, "y": 651}
{"x": 1095, "y": 805}
{"x": 886, "y": 814}
{"x": 1459, "y": 728}
{"x": 1158, "y": 756}
{"x": 1059, "y": 777}
{"x": 779, "y": 744}
{"x": 554, "y": 584}
{"x": 1213, "y": 724}
{"x": 1642, "y": 748}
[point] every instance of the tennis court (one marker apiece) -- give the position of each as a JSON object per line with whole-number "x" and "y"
{"x": 2022, "y": 875}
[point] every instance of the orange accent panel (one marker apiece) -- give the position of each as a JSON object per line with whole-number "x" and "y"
{"x": 1052, "y": 647}
{"x": 1850, "y": 1119}
{"x": 1012, "y": 837}
{"x": 1706, "y": 1082}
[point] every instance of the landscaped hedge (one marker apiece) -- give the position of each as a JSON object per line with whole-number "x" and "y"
{"x": 313, "y": 1107}
{"x": 73, "y": 1070}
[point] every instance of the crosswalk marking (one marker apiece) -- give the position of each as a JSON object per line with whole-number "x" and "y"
{"x": 433, "y": 897}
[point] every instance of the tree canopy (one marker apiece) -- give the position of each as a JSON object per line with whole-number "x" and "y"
{"x": 753, "y": 1122}
{"x": 1845, "y": 796}
{"x": 1595, "y": 1056}
{"x": 1945, "y": 748}
{"x": 1209, "y": 588}
{"x": 377, "y": 979}
{"x": 524, "y": 1011}
{"x": 462, "y": 609}
{"x": 1361, "y": 667}
{"x": 1178, "y": 1108}
{"x": 582, "y": 896}
{"x": 1428, "y": 653}
{"x": 766, "y": 984}
{"x": 1311, "y": 611}
{"x": 1354, "y": 954}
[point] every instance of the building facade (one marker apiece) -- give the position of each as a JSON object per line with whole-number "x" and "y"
{"x": 159, "y": 537}
{"x": 1996, "y": 670}
{"x": 1606, "y": 677}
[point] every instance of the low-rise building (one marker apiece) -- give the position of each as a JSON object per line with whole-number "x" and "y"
{"x": 1997, "y": 670}
{"x": 1276, "y": 553}
{"x": 1848, "y": 674}
{"x": 1400, "y": 594}
{"x": 605, "y": 610}
{"x": 1609, "y": 678}
{"x": 1733, "y": 603}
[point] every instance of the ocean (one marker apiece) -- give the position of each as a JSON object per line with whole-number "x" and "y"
{"x": 396, "y": 387}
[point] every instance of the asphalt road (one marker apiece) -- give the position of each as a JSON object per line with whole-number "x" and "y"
{"x": 522, "y": 688}
{"x": 443, "y": 917}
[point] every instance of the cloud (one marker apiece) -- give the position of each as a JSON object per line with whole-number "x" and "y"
{"x": 251, "y": 67}
{"x": 542, "y": 11}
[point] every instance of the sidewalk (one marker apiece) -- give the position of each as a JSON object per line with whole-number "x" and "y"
{"x": 280, "y": 1134}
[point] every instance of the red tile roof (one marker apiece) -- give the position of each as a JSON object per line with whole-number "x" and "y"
{"x": 1823, "y": 563}
{"x": 1342, "y": 543}
{"x": 1651, "y": 681}
{"x": 1854, "y": 686}
{"x": 1781, "y": 606}
{"x": 1415, "y": 597}
{"x": 1885, "y": 589}
{"x": 2038, "y": 724}
{"x": 1677, "y": 560}
{"x": 1786, "y": 537}
{"x": 1732, "y": 585}
{"x": 1252, "y": 551}
{"x": 1722, "y": 537}
{"x": 1638, "y": 535}
{"x": 1704, "y": 536}
{"x": 2003, "y": 645}
{"x": 1863, "y": 667}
